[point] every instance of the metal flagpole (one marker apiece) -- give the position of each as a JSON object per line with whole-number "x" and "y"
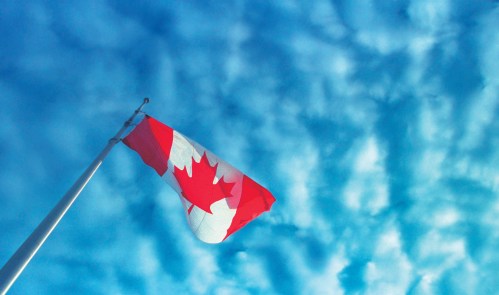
{"x": 13, "y": 268}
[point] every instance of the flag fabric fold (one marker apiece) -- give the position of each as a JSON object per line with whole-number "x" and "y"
{"x": 217, "y": 198}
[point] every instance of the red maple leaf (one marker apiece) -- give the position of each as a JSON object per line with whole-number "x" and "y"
{"x": 199, "y": 189}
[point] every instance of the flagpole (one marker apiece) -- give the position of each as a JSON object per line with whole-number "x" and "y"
{"x": 13, "y": 268}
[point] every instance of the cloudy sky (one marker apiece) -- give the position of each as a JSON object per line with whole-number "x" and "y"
{"x": 374, "y": 123}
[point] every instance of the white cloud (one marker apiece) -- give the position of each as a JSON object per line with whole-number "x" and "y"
{"x": 436, "y": 131}
{"x": 149, "y": 264}
{"x": 317, "y": 283}
{"x": 435, "y": 120}
{"x": 441, "y": 252}
{"x": 324, "y": 15}
{"x": 373, "y": 28}
{"x": 298, "y": 168}
{"x": 388, "y": 259}
{"x": 481, "y": 115}
{"x": 369, "y": 157}
{"x": 430, "y": 15}
{"x": 420, "y": 46}
{"x": 235, "y": 64}
{"x": 446, "y": 217}
{"x": 383, "y": 40}
{"x": 489, "y": 220}
{"x": 488, "y": 41}
{"x": 203, "y": 270}
{"x": 254, "y": 272}
{"x": 486, "y": 174}
{"x": 367, "y": 189}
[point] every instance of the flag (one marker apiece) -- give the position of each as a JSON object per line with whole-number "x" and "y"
{"x": 217, "y": 198}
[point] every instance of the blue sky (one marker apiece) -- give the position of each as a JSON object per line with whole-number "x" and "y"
{"x": 374, "y": 123}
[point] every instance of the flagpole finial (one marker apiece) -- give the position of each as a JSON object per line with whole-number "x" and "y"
{"x": 146, "y": 101}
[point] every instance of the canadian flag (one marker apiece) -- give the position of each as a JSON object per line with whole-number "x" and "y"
{"x": 217, "y": 198}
